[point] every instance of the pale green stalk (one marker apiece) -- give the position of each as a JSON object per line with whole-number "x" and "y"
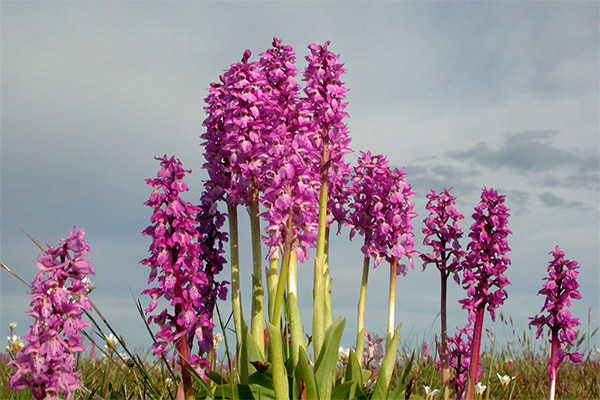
{"x": 319, "y": 286}
{"x": 296, "y": 331}
{"x": 283, "y": 278}
{"x": 280, "y": 380}
{"x": 257, "y": 321}
{"x": 392, "y": 299}
{"x": 272, "y": 279}
{"x": 360, "y": 325}
{"x": 236, "y": 298}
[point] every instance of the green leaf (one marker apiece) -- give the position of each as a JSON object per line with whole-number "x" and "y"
{"x": 261, "y": 393}
{"x": 353, "y": 370}
{"x": 280, "y": 381}
{"x": 305, "y": 372}
{"x": 326, "y": 364}
{"x": 230, "y": 391}
{"x": 387, "y": 367}
{"x": 344, "y": 391}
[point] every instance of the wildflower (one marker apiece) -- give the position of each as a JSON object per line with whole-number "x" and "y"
{"x": 505, "y": 380}
{"x": 373, "y": 352}
{"x": 184, "y": 277}
{"x": 58, "y": 299}
{"x": 12, "y": 326}
{"x": 343, "y": 354}
{"x": 560, "y": 289}
{"x": 483, "y": 269}
{"x": 111, "y": 342}
{"x": 479, "y": 390}
{"x": 217, "y": 339}
{"x": 430, "y": 394}
{"x": 15, "y": 342}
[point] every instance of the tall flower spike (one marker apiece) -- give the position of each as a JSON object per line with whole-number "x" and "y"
{"x": 58, "y": 295}
{"x": 175, "y": 261}
{"x": 291, "y": 197}
{"x": 560, "y": 289}
{"x": 325, "y": 106}
{"x": 442, "y": 234}
{"x": 484, "y": 268}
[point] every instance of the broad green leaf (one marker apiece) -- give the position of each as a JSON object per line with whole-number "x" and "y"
{"x": 296, "y": 331}
{"x": 326, "y": 364}
{"x": 280, "y": 381}
{"x": 387, "y": 367}
{"x": 230, "y": 391}
{"x": 261, "y": 393}
{"x": 344, "y": 391}
{"x": 305, "y": 372}
{"x": 353, "y": 370}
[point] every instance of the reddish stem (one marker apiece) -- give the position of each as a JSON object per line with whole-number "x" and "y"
{"x": 444, "y": 335}
{"x": 475, "y": 347}
{"x": 553, "y": 367}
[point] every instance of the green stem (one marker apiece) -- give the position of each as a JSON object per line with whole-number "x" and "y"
{"x": 280, "y": 379}
{"x": 392, "y": 299}
{"x": 257, "y": 322}
{"x": 236, "y": 298}
{"x": 283, "y": 278}
{"x": 319, "y": 285}
{"x": 272, "y": 280}
{"x": 360, "y": 325}
{"x": 296, "y": 331}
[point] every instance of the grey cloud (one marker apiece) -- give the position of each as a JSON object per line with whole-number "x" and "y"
{"x": 532, "y": 152}
{"x": 551, "y": 200}
{"x": 437, "y": 177}
{"x": 517, "y": 201}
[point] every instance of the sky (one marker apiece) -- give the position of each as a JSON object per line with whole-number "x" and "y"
{"x": 462, "y": 94}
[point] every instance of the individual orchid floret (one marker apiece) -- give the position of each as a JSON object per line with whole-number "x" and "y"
{"x": 46, "y": 364}
{"x": 560, "y": 289}
{"x": 442, "y": 233}
{"x": 176, "y": 263}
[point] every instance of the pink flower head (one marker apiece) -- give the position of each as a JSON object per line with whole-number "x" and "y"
{"x": 373, "y": 352}
{"x": 487, "y": 260}
{"x": 325, "y": 107}
{"x": 560, "y": 289}
{"x": 58, "y": 300}
{"x": 381, "y": 210}
{"x": 442, "y": 233}
{"x": 291, "y": 183}
{"x": 176, "y": 261}
{"x": 459, "y": 350}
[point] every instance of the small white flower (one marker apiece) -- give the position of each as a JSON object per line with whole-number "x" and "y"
{"x": 430, "y": 394}
{"x": 479, "y": 389}
{"x": 15, "y": 342}
{"x": 111, "y": 342}
{"x": 505, "y": 380}
{"x": 12, "y": 326}
{"x": 597, "y": 354}
{"x": 343, "y": 354}
{"x": 217, "y": 339}
{"x": 168, "y": 380}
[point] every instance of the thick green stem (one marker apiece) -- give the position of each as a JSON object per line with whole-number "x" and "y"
{"x": 475, "y": 349}
{"x": 257, "y": 322}
{"x": 295, "y": 322}
{"x": 319, "y": 286}
{"x": 285, "y": 266}
{"x": 360, "y": 325}
{"x": 392, "y": 299}
{"x": 236, "y": 298}
{"x": 272, "y": 279}
{"x": 280, "y": 380}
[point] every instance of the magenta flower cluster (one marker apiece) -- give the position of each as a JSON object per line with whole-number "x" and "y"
{"x": 486, "y": 260}
{"x": 290, "y": 192}
{"x": 58, "y": 295}
{"x": 560, "y": 289}
{"x": 325, "y": 104}
{"x": 381, "y": 211}
{"x": 176, "y": 261}
{"x": 442, "y": 233}
{"x": 459, "y": 350}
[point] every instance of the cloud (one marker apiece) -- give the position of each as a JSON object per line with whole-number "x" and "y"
{"x": 550, "y": 200}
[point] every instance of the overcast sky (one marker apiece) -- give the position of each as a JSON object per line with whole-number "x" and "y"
{"x": 462, "y": 94}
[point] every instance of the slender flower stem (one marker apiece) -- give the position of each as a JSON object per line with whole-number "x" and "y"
{"x": 285, "y": 266}
{"x": 296, "y": 331}
{"x": 475, "y": 348}
{"x": 236, "y": 298}
{"x": 392, "y": 298}
{"x": 360, "y": 325}
{"x": 319, "y": 286}
{"x": 257, "y": 322}
{"x": 444, "y": 335}
{"x": 553, "y": 368}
